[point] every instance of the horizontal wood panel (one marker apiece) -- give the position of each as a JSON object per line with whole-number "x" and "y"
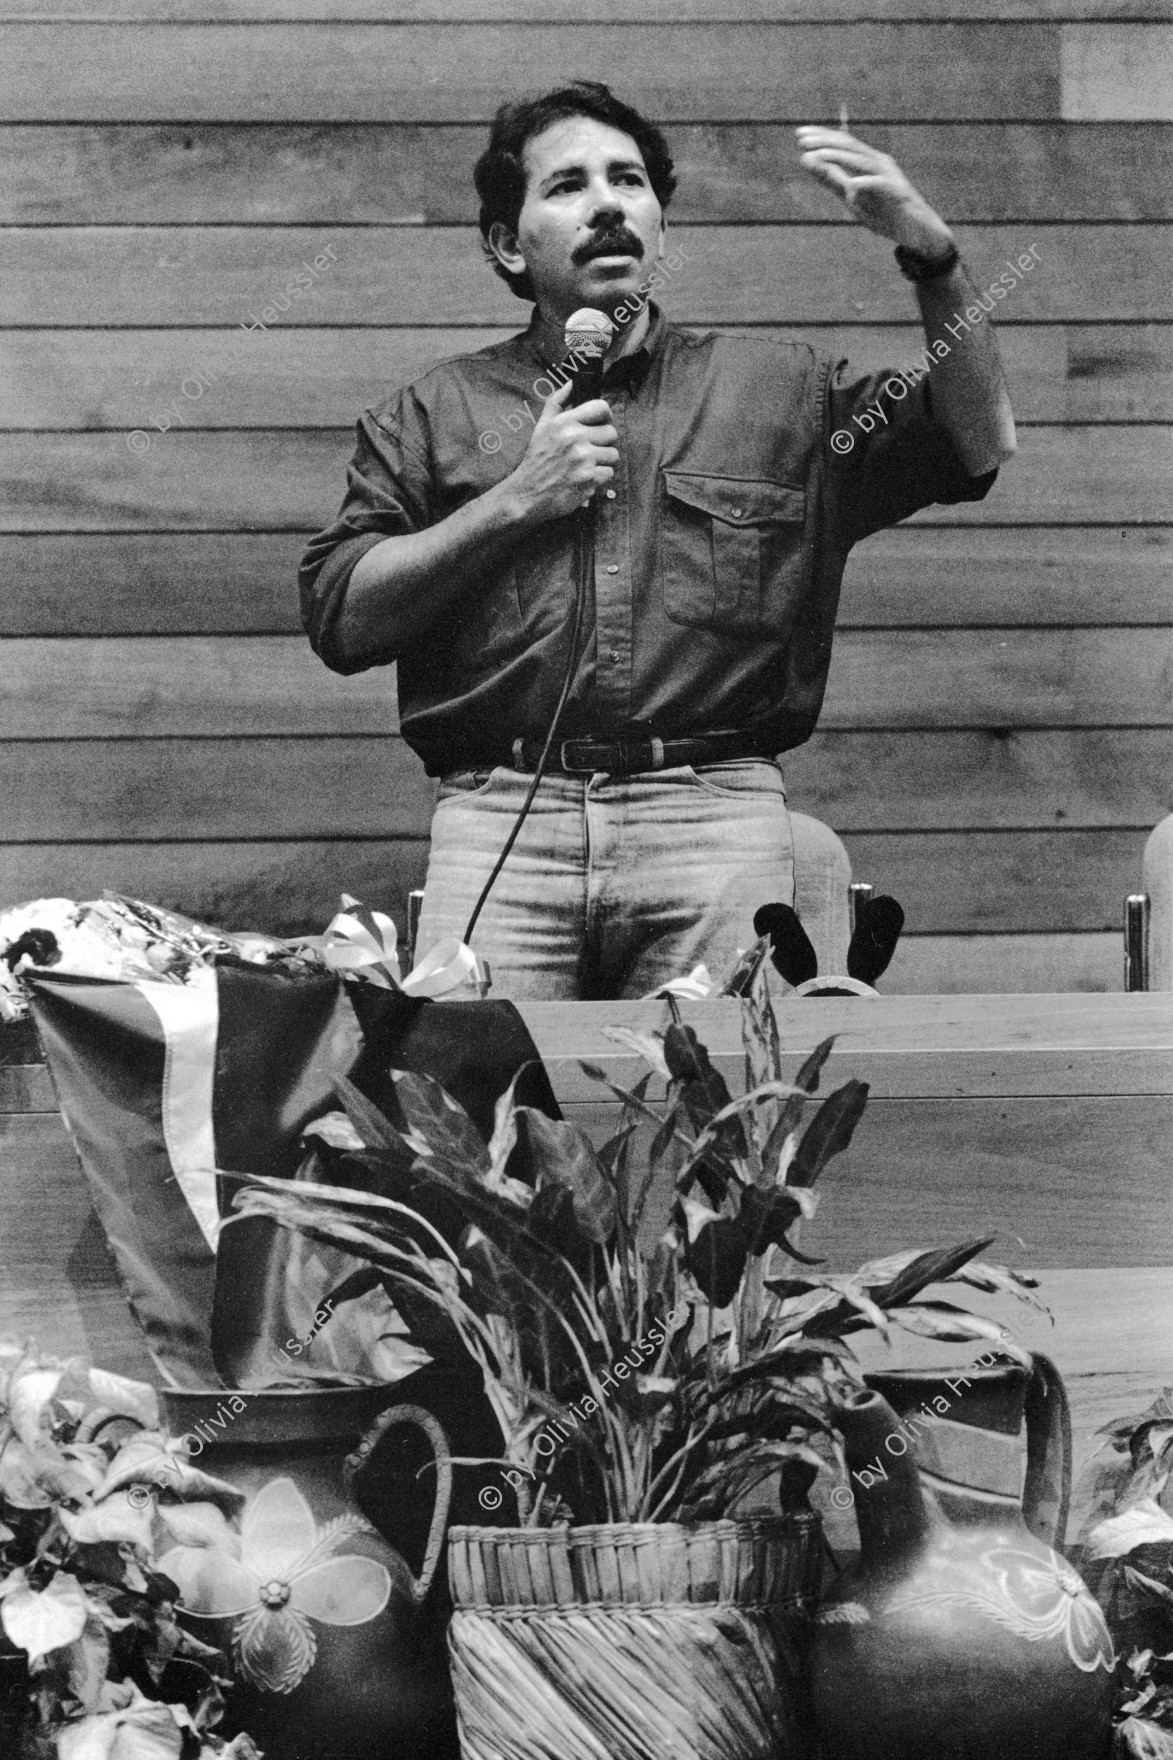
{"x": 72, "y": 687}
{"x": 916, "y": 575}
{"x": 60, "y": 1284}
{"x": 1003, "y": 882}
{"x": 610, "y": 11}
{"x": 1070, "y": 1181}
{"x": 924, "y": 1047}
{"x": 263, "y": 479}
{"x": 414, "y": 174}
{"x": 1062, "y": 1181}
{"x": 801, "y": 274}
{"x": 932, "y": 1047}
{"x": 119, "y": 790}
{"x": 196, "y": 685}
{"x": 978, "y": 882}
{"x": 322, "y": 378}
{"x": 26, "y": 1088}
{"x": 1000, "y": 678}
{"x": 1112, "y": 777}
{"x": 959, "y": 965}
{"x": 97, "y": 583}
{"x": 289, "y": 888}
{"x": 1121, "y": 71}
{"x": 124, "y": 789}
{"x": 454, "y": 73}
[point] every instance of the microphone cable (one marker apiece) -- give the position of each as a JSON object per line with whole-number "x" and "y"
{"x": 589, "y": 332}
{"x": 584, "y": 556}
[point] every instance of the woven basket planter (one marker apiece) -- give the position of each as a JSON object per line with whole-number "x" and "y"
{"x": 631, "y": 1641}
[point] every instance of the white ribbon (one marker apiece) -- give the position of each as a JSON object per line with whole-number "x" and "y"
{"x": 451, "y": 965}
{"x": 696, "y": 987}
{"x": 360, "y": 940}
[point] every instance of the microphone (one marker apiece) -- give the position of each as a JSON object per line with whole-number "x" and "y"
{"x": 586, "y": 339}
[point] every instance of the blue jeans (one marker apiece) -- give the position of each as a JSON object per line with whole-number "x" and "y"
{"x": 616, "y": 884}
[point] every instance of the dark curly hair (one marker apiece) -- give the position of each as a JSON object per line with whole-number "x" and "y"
{"x": 500, "y": 174}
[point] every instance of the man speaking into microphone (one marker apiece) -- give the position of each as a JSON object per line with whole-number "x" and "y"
{"x": 629, "y": 601}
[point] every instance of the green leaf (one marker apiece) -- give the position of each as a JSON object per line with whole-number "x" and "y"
{"x": 954, "y": 1325}
{"x": 1002, "y": 1280}
{"x": 119, "y": 1519}
{"x": 716, "y": 1255}
{"x": 828, "y": 1133}
{"x": 200, "y": 1524}
{"x": 790, "y": 1117}
{"x": 925, "y": 1268}
{"x": 1139, "y": 1738}
{"x": 504, "y": 1129}
{"x": 441, "y": 1121}
{"x": 704, "y": 1090}
{"x": 1143, "y": 1524}
{"x": 650, "y": 1047}
{"x": 766, "y": 1216}
{"x": 44, "y": 1620}
{"x": 759, "y": 1036}
{"x": 1148, "y": 1586}
{"x": 373, "y": 1127}
{"x": 564, "y": 1156}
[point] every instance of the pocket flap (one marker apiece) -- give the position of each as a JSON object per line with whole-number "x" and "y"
{"x": 739, "y": 501}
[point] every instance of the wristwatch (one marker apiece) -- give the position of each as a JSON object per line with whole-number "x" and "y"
{"x": 915, "y": 267}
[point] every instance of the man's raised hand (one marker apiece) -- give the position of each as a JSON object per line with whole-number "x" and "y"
{"x": 873, "y": 186}
{"x": 571, "y": 453}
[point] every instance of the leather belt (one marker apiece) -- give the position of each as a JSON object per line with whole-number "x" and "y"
{"x": 628, "y": 757}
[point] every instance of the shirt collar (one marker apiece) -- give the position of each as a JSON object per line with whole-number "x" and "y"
{"x": 629, "y": 368}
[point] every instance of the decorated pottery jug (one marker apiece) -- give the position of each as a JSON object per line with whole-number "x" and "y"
{"x": 961, "y": 1634}
{"x": 337, "y": 1648}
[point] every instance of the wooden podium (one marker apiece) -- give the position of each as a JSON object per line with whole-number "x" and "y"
{"x": 1047, "y": 1120}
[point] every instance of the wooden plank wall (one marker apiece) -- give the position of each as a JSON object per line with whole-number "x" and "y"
{"x": 999, "y": 723}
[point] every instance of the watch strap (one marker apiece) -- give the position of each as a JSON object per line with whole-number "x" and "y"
{"x": 916, "y": 267}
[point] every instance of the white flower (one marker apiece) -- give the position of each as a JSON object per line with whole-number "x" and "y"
{"x": 277, "y": 1576}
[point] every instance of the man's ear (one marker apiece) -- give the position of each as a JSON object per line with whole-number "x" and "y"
{"x": 504, "y": 246}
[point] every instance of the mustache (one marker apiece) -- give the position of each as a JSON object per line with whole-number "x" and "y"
{"x": 618, "y": 240}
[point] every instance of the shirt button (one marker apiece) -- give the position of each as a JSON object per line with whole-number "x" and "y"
{"x": 610, "y": 494}
{"x": 613, "y": 656}
{"x": 612, "y": 568}
{"x": 737, "y": 512}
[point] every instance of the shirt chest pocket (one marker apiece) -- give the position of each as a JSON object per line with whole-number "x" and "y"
{"x": 731, "y": 553}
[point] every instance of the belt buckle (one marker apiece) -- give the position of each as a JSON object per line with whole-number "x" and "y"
{"x": 574, "y": 769}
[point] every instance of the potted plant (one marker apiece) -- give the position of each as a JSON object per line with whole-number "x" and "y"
{"x": 645, "y": 1387}
{"x": 1125, "y": 1553}
{"x": 93, "y": 1663}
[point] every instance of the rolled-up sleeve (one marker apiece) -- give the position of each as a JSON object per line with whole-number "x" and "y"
{"x": 887, "y": 455}
{"x": 388, "y": 494}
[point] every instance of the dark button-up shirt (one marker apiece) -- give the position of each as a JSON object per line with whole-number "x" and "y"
{"x": 747, "y": 470}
